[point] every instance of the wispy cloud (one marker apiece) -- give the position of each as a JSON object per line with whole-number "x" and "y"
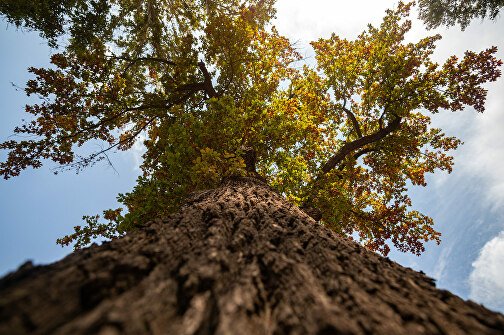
{"x": 485, "y": 151}
{"x": 442, "y": 263}
{"x": 137, "y": 151}
{"x": 487, "y": 278}
{"x": 306, "y": 22}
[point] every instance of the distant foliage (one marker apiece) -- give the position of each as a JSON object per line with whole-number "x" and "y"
{"x": 79, "y": 19}
{"x": 205, "y": 82}
{"x": 437, "y": 13}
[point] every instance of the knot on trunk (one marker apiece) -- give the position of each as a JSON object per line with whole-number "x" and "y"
{"x": 311, "y": 211}
{"x": 249, "y": 157}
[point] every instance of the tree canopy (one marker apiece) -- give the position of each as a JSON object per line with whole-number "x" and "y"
{"x": 451, "y": 12}
{"x": 212, "y": 86}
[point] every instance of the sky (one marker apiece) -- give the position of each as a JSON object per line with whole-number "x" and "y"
{"x": 468, "y": 205}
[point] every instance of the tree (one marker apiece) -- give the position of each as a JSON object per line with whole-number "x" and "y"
{"x": 238, "y": 259}
{"x": 218, "y": 92}
{"x": 450, "y": 12}
{"x": 237, "y": 134}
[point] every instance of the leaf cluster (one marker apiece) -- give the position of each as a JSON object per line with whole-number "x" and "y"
{"x": 451, "y": 12}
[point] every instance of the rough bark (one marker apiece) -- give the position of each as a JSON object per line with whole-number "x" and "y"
{"x": 235, "y": 260}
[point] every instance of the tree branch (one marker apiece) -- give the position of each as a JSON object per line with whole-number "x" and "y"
{"x": 380, "y": 120}
{"x": 96, "y": 156}
{"x": 347, "y": 148}
{"x": 343, "y": 152}
{"x": 363, "y": 152}
{"x": 353, "y": 119}
{"x": 207, "y": 84}
{"x": 103, "y": 122}
{"x": 132, "y": 61}
{"x": 191, "y": 87}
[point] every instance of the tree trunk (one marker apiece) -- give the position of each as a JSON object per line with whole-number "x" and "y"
{"x": 238, "y": 259}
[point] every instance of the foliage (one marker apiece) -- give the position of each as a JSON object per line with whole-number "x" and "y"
{"x": 208, "y": 82}
{"x": 83, "y": 236}
{"x": 450, "y": 12}
{"x": 52, "y": 17}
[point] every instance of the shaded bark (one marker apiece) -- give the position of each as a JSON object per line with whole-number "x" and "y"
{"x": 235, "y": 260}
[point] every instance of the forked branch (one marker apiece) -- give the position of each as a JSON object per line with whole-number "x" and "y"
{"x": 353, "y": 119}
{"x": 348, "y": 148}
{"x": 207, "y": 83}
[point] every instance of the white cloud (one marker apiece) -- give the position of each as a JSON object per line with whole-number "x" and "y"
{"x": 319, "y": 18}
{"x": 137, "y": 151}
{"x": 485, "y": 154}
{"x": 442, "y": 262}
{"x": 487, "y": 278}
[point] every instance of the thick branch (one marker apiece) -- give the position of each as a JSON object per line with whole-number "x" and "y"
{"x": 208, "y": 86}
{"x": 346, "y": 149}
{"x": 352, "y": 118}
{"x": 101, "y": 123}
{"x": 193, "y": 87}
{"x": 380, "y": 120}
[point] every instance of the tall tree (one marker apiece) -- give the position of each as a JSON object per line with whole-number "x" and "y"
{"x": 218, "y": 95}
{"x": 217, "y": 91}
{"x": 437, "y": 13}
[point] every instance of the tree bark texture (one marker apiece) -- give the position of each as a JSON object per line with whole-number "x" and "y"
{"x": 238, "y": 259}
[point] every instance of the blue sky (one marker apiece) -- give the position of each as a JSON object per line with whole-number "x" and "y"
{"x": 467, "y": 205}
{"x": 38, "y": 207}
